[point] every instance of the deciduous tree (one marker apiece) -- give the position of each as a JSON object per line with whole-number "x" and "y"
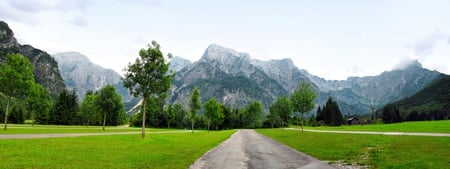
{"x": 110, "y": 103}
{"x": 16, "y": 78}
{"x": 39, "y": 104}
{"x": 88, "y": 109}
{"x": 194, "y": 106}
{"x": 148, "y": 76}
{"x": 283, "y": 109}
{"x": 213, "y": 113}
{"x": 302, "y": 99}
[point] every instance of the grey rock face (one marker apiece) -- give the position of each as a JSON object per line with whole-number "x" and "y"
{"x": 81, "y": 74}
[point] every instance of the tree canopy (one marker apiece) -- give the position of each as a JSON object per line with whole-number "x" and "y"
{"x": 213, "y": 113}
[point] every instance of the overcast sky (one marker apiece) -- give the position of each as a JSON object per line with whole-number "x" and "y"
{"x": 331, "y": 39}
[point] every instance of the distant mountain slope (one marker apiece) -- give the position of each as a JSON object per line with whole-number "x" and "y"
{"x": 81, "y": 74}
{"x": 361, "y": 94}
{"x": 46, "y": 70}
{"x": 434, "y": 97}
{"x": 231, "y": 77}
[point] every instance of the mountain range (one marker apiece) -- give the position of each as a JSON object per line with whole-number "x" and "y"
{"x": 45, "y": 70}
{"x": 235, "y": 79}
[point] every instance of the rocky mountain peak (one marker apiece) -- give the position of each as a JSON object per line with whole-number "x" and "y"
{"x": 414, "y": 64}
{"x": 410, "y": 64}
{"x": 177, "y": 63}
{"x": 6, "y": 34}
{"x": 220, "y": 53}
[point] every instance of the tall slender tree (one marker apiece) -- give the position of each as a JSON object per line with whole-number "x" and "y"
{"x": 194, "y": 106}
{"x": 148, "y": 76}
{"x": 302, "y": 99}
{"x": 16, "y": 79}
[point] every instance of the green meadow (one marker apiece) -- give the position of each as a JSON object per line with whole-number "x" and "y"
{"x": 442, "y": 126}
{"x": 374, "y": 151}
{"x": 157, "y": 150}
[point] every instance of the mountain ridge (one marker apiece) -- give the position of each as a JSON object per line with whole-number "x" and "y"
{"x": 45, "y": 69}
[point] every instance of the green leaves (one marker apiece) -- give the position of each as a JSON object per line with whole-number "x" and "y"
{"x": 213, "y": 112}
{"x": 16, "y": 76}
{"x": 302, "y": 98}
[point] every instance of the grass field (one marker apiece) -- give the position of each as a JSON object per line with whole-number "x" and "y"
{"x": 174, "y": 150}
{"x": 376, "y": 151}
{"x": 442, "y": 126}
{"x": 39, "y": 129}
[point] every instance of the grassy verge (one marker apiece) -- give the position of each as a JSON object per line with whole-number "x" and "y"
{"x": 376, "y": 151}
{"x": 442, "y": 126}
{"x": 175, "y": 150}
{"x": 40, "y": 129}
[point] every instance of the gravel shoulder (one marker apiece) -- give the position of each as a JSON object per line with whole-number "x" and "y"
{"x": 249, "y": 149}
{"x": 378, "y": 133}
{"x": 53, "y": 135}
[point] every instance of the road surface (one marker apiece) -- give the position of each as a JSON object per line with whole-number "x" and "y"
{"x": 249, "y": 149}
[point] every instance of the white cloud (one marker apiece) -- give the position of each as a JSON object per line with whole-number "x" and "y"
{"x": 424, "y": 47}
{"x": 33, "y": 11}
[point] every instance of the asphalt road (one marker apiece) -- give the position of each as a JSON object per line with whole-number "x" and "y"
{"x": 249, "y": 149}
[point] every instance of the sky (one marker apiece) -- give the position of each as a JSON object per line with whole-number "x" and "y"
{"x": 330, "y": 39}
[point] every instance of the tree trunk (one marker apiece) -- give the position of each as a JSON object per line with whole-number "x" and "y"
{"x": 143, "y": 118}
{"x": 104, "y": 121}
{"x": 209, "y": 124}
{"x": 32, "y": 119}
{"x": 302, "y": 122}
{"x": 193, "y": 121}
{"x": 6, "y": 113}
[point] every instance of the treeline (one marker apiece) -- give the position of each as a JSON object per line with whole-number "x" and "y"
{"x": 213, "y": 115}
{"x": 104, "y": 107}
{"x": 390, "y": 113}
{"x": 22, "y": 98}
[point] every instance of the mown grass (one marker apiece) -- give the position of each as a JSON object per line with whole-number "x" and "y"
{"x": 375, "y": 151}
{"x": 174, "y": 150}
{"x": 442, "y": 126}
{"x": 40, "y": 129}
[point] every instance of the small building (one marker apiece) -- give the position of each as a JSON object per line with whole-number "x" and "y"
{"x": 353, "y": 121}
